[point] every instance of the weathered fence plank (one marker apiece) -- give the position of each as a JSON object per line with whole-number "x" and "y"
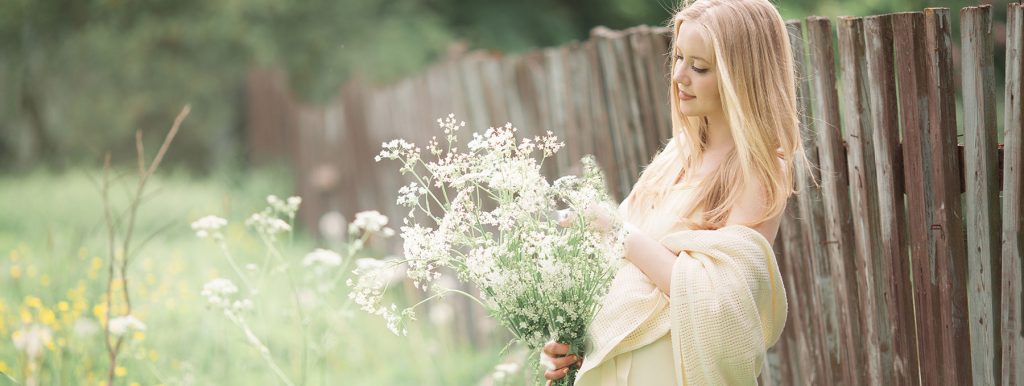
{"x": 1012, "y": 302}
{"x": 864, "y": 200}
{"x": 982, "y": 185}
{"x": 908, "y": 29}
{"x": 878, "y": 41}
{"x": 824, "y": 345}
{"x": 946, "y": 231}
{"x": 838, "y": 224}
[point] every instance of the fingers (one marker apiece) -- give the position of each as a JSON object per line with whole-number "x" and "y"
{"x": 555, "y": 349}
{"x": 564, "y": 361}
{"x": 553, "y": 375}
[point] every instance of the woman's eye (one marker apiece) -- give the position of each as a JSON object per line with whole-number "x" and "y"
{"x": 699, "y": 70}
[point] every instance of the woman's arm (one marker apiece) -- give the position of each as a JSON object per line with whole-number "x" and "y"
{"x": 653, "y": 259}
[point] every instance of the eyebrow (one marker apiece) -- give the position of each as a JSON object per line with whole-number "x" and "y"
{"x": 692, "y": 56}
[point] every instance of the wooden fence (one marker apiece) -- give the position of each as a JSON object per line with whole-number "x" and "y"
{"x": 903, "y": 267}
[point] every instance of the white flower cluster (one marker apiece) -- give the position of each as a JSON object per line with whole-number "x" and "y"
{"x": 267, "y": 224}
{"x": 322, "y": 258}
{"x": 489, "y": 215}
{"x": 288, "y": 207}
{"x": 220, "y": 293}
{"x": 209, "y": 226}
{"x": 370, "y": 221}
{"x": 371, "y": 280}
{"x": 123, "y": 324}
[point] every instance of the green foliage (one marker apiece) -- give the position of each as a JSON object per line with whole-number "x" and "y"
{"x": 77, "y": 77}
{"x": 53, "y": 273}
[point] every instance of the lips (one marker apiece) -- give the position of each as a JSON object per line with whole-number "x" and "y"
{"x": 684, "y": 96}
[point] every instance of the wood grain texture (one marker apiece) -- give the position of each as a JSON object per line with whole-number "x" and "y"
{"x": 982, "y": 200}
{"x": 864, "y": 201}
{"x": 819, "y": 296}
{"x": 835, "y": 186}
{"x": 1012, "y": 302}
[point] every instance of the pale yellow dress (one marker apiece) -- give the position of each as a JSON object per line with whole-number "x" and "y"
{"x": 652, "y": 364}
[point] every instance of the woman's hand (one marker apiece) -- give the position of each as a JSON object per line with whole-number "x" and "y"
{"x": 600, "y": 218}
{"x": 557, "y": 359}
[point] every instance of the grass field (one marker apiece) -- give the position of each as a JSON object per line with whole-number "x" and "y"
{"x": 53, "y": 277}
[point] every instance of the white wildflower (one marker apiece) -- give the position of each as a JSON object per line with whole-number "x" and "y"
{"x": 122, "y": 324}
{"x": 322, "y": 257}
{"x": 218, "y": 292}
{"x": 267, "y": 224}
{"x": 209, "y": 226}
{"x": 369, "y": 221}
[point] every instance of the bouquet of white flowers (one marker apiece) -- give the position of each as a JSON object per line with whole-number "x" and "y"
{"x": 489, "y": 215}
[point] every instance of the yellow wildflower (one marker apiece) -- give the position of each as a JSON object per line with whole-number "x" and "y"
{"x": 33, "y": 301}
{"x": 15, "y": 272}
{"x": 47, "y": 317}
{"x": 120, "y": 371}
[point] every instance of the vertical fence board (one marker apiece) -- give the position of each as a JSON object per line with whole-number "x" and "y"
{"x": 835, "y": 184}
{"x": 1013, "y": 202}
{"x": 797, "y": 331}
{"x": 661, "y": 78}
{"x": 864, "y": 201}
{"x": 604, "y": 148}
{"x": 823, "y": 343}
{"x": 982, "y": 190}
{"x": 908, "y": 28}
{"x": 878, "y": 42}
{"x": 645, "y": 75}
{"x": 946, "y": 232}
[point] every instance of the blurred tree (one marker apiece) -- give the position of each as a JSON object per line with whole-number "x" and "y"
{"x": 77, "y": 77}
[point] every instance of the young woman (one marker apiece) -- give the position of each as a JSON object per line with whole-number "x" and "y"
{"x": 730, "y": 161}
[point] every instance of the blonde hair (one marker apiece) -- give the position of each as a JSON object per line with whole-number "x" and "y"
{"x": 754, "y": 64}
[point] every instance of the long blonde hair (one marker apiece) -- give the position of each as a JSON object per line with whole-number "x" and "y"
{"x": 754, "y": 65}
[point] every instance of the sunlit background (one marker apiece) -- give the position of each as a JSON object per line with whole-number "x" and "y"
{"x": 79, "y": 78}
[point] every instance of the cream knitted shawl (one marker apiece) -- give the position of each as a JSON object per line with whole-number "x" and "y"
{"x": 727, "y": 307}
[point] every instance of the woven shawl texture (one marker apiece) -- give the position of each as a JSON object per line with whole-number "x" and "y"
{"x": 727, "y": 308}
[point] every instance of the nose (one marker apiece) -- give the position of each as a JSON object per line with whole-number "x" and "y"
{"x": 679, "y": 74}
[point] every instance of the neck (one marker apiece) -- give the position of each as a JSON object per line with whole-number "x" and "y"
{"x": 719, "y": 136}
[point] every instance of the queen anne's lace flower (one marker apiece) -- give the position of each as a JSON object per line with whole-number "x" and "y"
{"x": 209, "y": 226}
{"x": 267, "y": 224}
{"x": 322, "y": 257}
{"x": 489, "y": 214}
{"x": 122, "y": 324}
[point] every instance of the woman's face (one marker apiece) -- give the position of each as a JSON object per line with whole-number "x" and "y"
{"x": 694, "y": 73}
